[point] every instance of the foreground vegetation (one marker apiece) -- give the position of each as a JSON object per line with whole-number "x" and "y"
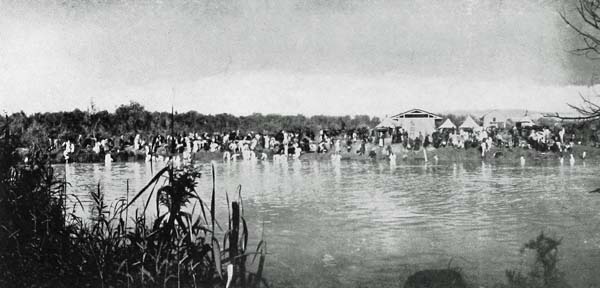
{"x": 45, "y": 245}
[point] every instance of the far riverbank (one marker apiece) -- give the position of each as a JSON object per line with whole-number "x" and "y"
{"x": 373, "y": 153}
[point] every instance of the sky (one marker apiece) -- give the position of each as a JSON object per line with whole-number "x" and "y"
{"x": 336, "y": 57}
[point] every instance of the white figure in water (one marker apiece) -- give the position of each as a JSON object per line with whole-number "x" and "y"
{"x": 335, "y": 157}
{"x": 297, "y": 151}
{"x": 148, "y": 155}
{"x": 226, "y": 156}
{"x": 392, "y": 158}
{"x": 263, "y": 156}
{"x": 435, "y": 158}
{"x": 562, "y": 160}
{"x": 572, "y": 160}
{"x": 69, "y": 148}
{"x": 522, "y": 160}
{"x": 583, "y": 154}
{"x": 107, "y": 159}
{"x": 275, "y": 157}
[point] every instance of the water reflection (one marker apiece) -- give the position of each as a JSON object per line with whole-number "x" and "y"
{"x": 330, "y": 223}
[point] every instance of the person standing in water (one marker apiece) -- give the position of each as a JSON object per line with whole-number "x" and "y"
{"x": 362, "y": 149}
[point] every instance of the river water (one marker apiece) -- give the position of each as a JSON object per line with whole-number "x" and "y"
{"x": 369, "y": 224}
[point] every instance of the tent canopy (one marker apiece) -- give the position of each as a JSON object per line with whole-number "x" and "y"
{"x": 387, "y": 123}
{"x": 447, "y": 125}
{"x": 469, "y": 124}
{"x": 526, "y": 121}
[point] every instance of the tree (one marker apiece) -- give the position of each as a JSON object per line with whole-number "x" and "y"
{"x": 132, "y": 118}
{"x": 587, "y": 28}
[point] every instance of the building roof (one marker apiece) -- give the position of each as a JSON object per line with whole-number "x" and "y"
{"x": 417, "y": 113}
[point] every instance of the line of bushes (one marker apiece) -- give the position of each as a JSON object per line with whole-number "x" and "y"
{"x": 131, "y": 119}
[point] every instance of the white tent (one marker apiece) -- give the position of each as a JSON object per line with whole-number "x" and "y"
{"x": 526, "y": 122}
{"x": 447, "y": 125}
{"x": 387, "y": 123}
{"x": 469, "y": 124}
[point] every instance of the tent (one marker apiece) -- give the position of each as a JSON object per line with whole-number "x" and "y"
{"x": 387, "y": 123}
{"x": 469, "y": 124}
{"x": 447, "y": 125}
{"x": 526, "y": 122}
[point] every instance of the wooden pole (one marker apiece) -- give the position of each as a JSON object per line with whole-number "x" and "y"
{"x": 234, "y": 236}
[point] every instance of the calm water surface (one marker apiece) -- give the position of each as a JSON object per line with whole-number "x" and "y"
{"x": 369, "y": 224}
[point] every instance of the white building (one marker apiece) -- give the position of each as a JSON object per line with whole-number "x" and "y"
{"x": 417, "y": 120}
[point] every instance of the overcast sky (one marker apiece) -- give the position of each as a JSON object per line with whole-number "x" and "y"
{"x": 278, "y": 56}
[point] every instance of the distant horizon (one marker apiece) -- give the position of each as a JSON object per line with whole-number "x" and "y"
{"x": 458, "y": 112}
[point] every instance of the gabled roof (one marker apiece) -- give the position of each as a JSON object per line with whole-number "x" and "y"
{"x": 469, "y": 123}
{"x": 416, "y": 113}
{"x": 447, "y": 125}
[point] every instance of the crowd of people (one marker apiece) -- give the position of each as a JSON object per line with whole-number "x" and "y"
{"x": 236, "y": 145}
{"x": 541, "y": 139}
{"x": 232, "y": 144}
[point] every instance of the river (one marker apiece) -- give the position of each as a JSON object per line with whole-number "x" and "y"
{"x": 366, "y": 224}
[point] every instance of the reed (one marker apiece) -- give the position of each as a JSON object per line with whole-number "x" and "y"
{"x": 544, "y": 272}
{"x": 46, "y": 245}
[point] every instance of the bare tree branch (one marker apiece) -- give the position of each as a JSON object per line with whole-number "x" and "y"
{"x": 581, "y": 118}
{"x": 590, "y": 41}
{"x": 589, "y": 31}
